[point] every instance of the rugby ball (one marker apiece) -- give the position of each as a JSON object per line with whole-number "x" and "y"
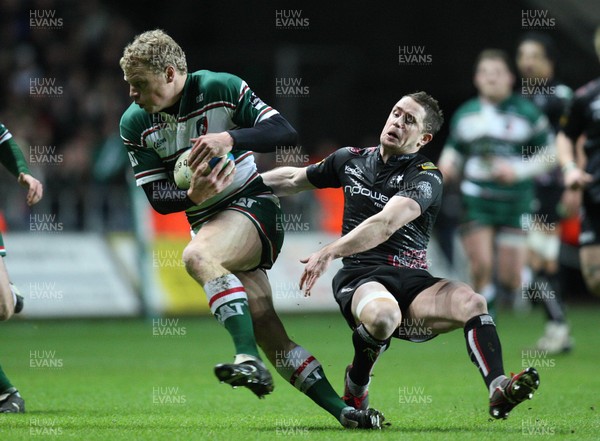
{"x": 182, "y": 173}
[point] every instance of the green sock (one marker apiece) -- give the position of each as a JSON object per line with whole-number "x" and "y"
{"x": 305, "y": 373}
{"x": 322, "y": 393}
{"x": 4, "y": 382}
{"x": 228, "y": 301}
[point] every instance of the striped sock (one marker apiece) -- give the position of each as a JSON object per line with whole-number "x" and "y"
{"x": 228, "y": 302}
{"x": 305, "y": 373}
{"x": 483, "y": 346}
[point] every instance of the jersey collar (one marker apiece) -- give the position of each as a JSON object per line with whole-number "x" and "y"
{"x": 394, "y": 158}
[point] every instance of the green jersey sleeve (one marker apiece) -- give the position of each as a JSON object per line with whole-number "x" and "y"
{"x": 147, "y": 164}
{"x": 11, "y": 155}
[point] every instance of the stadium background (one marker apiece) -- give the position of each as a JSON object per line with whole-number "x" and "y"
{"x": 344, "y": 60}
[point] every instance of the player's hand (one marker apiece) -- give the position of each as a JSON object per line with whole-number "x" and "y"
{"x": 36, "y": 190}
{"x": 575, "y": 178}
{"x": 316, "y": 264}
{"x": 209, "y": 146}
{"x": 202, "y": 188}
{"x": 504, "y": 173}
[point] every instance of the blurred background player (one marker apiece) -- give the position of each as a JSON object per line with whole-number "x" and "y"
{"x": 496, "y": 143}
{"x": 583, "y": 120}
{"x": 10, "y": 301}
{"x": 392, "y": 196}
{"x": 536, "y": 59}
{"x": 232, "y": 213}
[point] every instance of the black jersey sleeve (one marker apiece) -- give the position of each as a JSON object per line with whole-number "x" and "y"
{"x": 325, "y": 174}
{"x": 573, "y": 121}
{"x": 165, "y": 197}
{"x": 265, "y": 136}
{"x": 423, "y": 183}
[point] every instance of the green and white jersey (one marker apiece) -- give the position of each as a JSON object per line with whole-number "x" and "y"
{"x": 11, "y": 155}
{"x": 483, "y": 134}
{"x": 211, "y": 102}
{"x": 5, "y": 135}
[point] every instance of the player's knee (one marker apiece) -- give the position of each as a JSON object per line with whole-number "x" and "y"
{"x": 473, "y": 304}
{"x": 381, "y": 318}
{"x": 5, "y": 312}
{"x": 194, "y": 257}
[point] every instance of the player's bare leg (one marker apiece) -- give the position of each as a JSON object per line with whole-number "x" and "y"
{"x": 377, "y": 315}
{"x": 449, "y": 305}
{"x": 229, "y": 242}
{"x": 543, "y": 262}
{"x": 512, "y": 255}
{"x": 294, "y": 363}
{"x": 7, "y": 301}
{"x": 478, "y": 243}
{"x": 590, "y": 267}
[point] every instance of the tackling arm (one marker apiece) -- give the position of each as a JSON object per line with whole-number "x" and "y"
{"x": 376, "y": 229}
{"x": 286, "y": 181}
{"x": 371, "y": 232}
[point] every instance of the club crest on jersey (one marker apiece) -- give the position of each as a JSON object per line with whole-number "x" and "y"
{"x": 424, "y": 189}
{"x": 201, "y": 126}
{"x": 396, "y": 181}
{"x": 427, "y": 166}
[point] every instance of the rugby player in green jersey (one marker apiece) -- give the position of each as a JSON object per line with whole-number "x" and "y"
{"x": 10, "y": 301}
{"x": 233, "y": 215}
{"x": 498, "y": 142}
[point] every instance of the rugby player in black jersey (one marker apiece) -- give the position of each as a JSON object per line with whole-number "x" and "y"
{"x": 536, "y": 59}
{"x": 583, "y": 120}
{"x": 392, "y": 196}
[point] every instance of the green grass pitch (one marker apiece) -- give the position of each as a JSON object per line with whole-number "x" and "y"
{"x": 139, "y": 380}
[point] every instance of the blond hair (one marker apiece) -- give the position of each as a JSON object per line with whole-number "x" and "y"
{"x": 152, "y": 51}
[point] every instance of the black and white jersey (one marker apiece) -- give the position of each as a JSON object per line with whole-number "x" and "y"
{"x": 368, "y": 184}
{"x": 583, "y": 118}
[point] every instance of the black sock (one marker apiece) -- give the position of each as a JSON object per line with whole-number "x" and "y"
{"x": 366, "y": 351}
{"x": 548, "y": 297}
{"x": 483, "y": 346}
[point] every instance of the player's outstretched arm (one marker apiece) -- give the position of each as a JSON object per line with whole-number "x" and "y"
{"x": 286, "y": 181}
{"x": 371, "y": 232}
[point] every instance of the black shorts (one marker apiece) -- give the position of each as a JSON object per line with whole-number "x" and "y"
{"x": 403, "y": 283}
{"x": 590, "y": 222}
{"x": 547, "y": 198}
